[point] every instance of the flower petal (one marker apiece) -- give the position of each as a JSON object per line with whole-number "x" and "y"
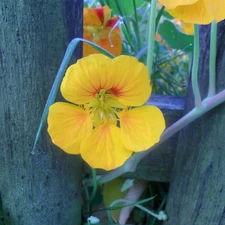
{"x": 216, "y": 8}
{"x": 112, "y": 22}
{"x": 96, "y": 16}
{"x": 93, "y": 16}
{"x": 172, "y": 4}
{"x": 103, "y": 148}
{"x": 85, "y": 78}
{"x": 131, "y": 83}
{"x": 107, "y": 14}
{"x": 141, "y": 127}
{"x": 195, "y": 13}
{"x": 68, "y": 125}
{"x": 109, "y": 40}
{"x": 124, "y": 78}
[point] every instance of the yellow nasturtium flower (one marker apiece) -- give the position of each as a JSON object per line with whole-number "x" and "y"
{"x": 99, "y": 29}
{"x": 102, "y": 121}
{"x": 196, "y": 11}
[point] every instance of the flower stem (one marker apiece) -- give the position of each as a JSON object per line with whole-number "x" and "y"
{"x": 136, "y": 26}
{"x": 194, "y": 76}
{"x": 95, "y": 184}
{"x": 160, "y": 216}
{"x": 212, "y": 60}
{"x": 151, "y": 36}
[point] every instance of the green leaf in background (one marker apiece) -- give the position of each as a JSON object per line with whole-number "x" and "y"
{"x": 167, "y": 15}
{"x": 124, "y": 7}
{"x": 174, "y": 38}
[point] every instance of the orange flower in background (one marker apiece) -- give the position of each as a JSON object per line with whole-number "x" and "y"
{"x": 196, "y": 11}
{"x": 102, "y": 121}
{"x": 99, "y": 29}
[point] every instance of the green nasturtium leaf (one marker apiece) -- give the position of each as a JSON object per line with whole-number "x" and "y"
{"x": 174, "y": 38}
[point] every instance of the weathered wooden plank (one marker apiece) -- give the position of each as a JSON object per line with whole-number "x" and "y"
{"x": 43, "y": 188}
{"x": 197, "y": 191}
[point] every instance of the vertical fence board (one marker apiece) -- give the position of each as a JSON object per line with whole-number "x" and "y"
{"x": 197, "y": 190}
{"x": 43, "y": 188}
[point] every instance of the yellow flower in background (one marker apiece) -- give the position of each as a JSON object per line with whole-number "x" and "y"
{"x": 187, "y": 28}
{"x": 196, "y": 11}
{"x": 99, "y": 29}
{"x": 102, "y": 121}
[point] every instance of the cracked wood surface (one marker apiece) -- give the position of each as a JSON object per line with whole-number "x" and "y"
{"x": 197, "y": 190}
{"x": 43, "y": 188}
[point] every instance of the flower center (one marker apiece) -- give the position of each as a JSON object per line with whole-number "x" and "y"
{"x": 101, "y": 95}
{"x": 101, "y": 111}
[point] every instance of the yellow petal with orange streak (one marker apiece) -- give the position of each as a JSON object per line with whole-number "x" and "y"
{"x": 85, "y": 78}
{"x": 131, "y": 83}
{"x": 141, "y": 127}
{"x": 68, "y": 125}
{"x": 103, "y": 148}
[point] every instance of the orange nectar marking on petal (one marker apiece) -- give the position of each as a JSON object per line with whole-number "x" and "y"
{"x": 115, "y": 91}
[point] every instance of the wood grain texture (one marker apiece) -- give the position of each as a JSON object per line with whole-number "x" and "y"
{"x": 197, "y": 190}
{"x": 44, "y": 188}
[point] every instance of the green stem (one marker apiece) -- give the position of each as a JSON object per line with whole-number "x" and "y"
{"x": 194, "y": 76}
{"x": 159, "y": 17}
{"x": 95, "y": 185}
{"x": 123, "y": 14}
{"x": 151, "y": 36}
{"x": 160, "y": 216}
{"x": 127, "y": 31}
{"x": 136, "y": 26}
{"x": 127, "y": 36}
{"x": 212, "y": 60}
